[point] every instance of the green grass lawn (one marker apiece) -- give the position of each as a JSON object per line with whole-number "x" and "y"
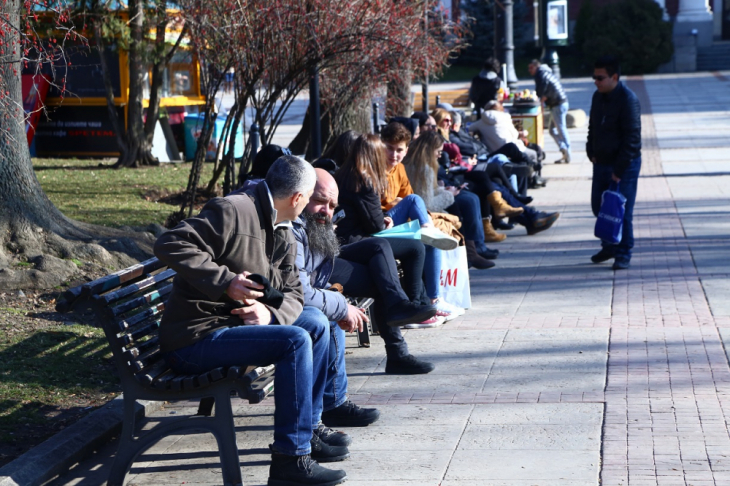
{"x": 89, "y": 191}
{"x": 53, "y": 372}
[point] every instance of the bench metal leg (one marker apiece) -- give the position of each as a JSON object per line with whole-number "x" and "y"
{"x": 225, "y": 434}
{"x": 206, "y": 406}
{"x": 221, "y": 426}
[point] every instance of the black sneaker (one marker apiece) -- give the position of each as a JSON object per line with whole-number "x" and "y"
{"x": 301, "y": 471}
{"x": 350, "y": 415}
{"x": 322, "y": 452}
{"x": 621, "y": 263}
{"x": 604, "y": 255}
{"x": 408, "y": 365}
{"x": 332, "y": 437}
{"x": 407, "y": 312}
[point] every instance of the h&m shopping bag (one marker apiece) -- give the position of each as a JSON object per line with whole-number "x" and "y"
{"x": 410, "y": 230}
{"x": 610, "y": 221}
{"x": 455, "y": 277}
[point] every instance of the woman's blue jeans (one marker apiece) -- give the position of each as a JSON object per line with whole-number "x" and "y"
{"x": 300, "y": 369}
{"x": 412, "y": 207}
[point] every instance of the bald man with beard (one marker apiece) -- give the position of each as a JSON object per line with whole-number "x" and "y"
{"x": 364, "y": 269}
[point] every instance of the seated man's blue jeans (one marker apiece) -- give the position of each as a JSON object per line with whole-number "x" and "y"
{"x": 300, "y": 369}
{"x": 558, "y": 126}
{"x": 412, "y": 207}
{"x": 628, "y": 186}
{"x": 335, "y": 388}
{"x": 318, "y": 328}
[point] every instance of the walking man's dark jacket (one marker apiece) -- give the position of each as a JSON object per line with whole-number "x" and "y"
{"x": 547, "y": 85}
{"x": 614, "y": 129}
{"x": 229, "y": 236}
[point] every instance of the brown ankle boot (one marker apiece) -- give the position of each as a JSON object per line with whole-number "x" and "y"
{"x": 475, "y": 259}
{"x": 490, "y": 235}
{"x": 501, "y": 208}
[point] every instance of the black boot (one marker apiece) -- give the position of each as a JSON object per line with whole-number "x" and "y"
{"x": 350, "y": 415}
{"x": 323, "y": 452}
{"x": 332, "y": 437}
{"x": 408, "y": 313}
{"x": 407, "y": 365}
{"x": 302, "y": 471}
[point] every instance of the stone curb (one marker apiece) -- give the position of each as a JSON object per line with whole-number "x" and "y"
{"x": 73, "y": 444}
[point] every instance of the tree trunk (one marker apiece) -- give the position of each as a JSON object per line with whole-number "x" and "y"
{"x": 23, "y": 202}
{"x": 32, "y": 229}
{"x": 137, "y": 150}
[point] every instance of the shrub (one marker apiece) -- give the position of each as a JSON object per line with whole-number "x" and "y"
{"x": 632, "y": 30}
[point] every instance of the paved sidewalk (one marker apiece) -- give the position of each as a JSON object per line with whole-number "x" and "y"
{"x": 564, "y": 372}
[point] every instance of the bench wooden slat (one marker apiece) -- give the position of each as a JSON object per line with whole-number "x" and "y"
{"x": 135, "y": 287}
{"x": 148, "y": 298}
{"x": 114, "y": 280}
{"x": 136, "y": 319}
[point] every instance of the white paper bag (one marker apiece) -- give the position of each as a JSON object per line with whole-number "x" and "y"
{"x": 455, "y": 277}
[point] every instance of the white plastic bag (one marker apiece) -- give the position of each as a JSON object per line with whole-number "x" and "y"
{"x": 454, "y": 278}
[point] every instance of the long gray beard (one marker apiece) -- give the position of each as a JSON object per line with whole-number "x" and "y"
{"x": 322, "y": 238}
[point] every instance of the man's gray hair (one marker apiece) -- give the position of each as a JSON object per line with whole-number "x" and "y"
{"x": 290, "y": 175}
{"x": 455, "y": 118}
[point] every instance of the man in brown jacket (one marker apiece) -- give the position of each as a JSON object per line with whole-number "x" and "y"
{"x": 221, "y": 312}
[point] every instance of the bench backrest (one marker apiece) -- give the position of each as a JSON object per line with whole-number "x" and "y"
{"x": 457, "y": 98}
{"x": 129, "y": 304}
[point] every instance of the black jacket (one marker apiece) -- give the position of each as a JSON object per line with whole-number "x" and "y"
{"x": 547, "y": 85}
{"x": 363, "y": 214}
{"x": 484, "y": 88}
{"x": 614, "y": 128}
{"x": 467, "y": 144}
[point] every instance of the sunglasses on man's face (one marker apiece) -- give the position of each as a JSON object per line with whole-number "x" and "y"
{"x": 430, "y": 126}
{"x": 600, "y": 78}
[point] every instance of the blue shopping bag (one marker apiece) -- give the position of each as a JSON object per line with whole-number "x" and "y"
{"x": 610, "y": 221}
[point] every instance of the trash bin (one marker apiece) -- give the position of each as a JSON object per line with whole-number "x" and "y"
{"x": 193, "y": 127}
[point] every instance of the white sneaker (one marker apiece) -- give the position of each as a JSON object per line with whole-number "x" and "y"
{"x": 438, "y": 239}
{"x": 434, "y": 321}
{"x": 453, "y": 311}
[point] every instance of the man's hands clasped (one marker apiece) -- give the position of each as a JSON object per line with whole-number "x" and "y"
{"x": 253, "y": 312}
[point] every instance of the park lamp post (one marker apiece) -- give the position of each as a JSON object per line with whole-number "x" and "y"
{"x": 504, "y": 40}
{"x": 314, "y": 115}
{"x": 551, "y": 30}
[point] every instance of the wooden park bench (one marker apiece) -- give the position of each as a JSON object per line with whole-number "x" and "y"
{"x": 128, "y": 305}
{"x": 458, "y": 98}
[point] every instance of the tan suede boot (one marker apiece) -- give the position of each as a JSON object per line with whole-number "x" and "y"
{"x": 501, "y": 208}
{"x": 490, "y": 234}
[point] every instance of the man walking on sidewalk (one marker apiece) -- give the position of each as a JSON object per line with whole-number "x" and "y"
{"x": 614, "y": 148}
{"x": 550, "y": 92}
